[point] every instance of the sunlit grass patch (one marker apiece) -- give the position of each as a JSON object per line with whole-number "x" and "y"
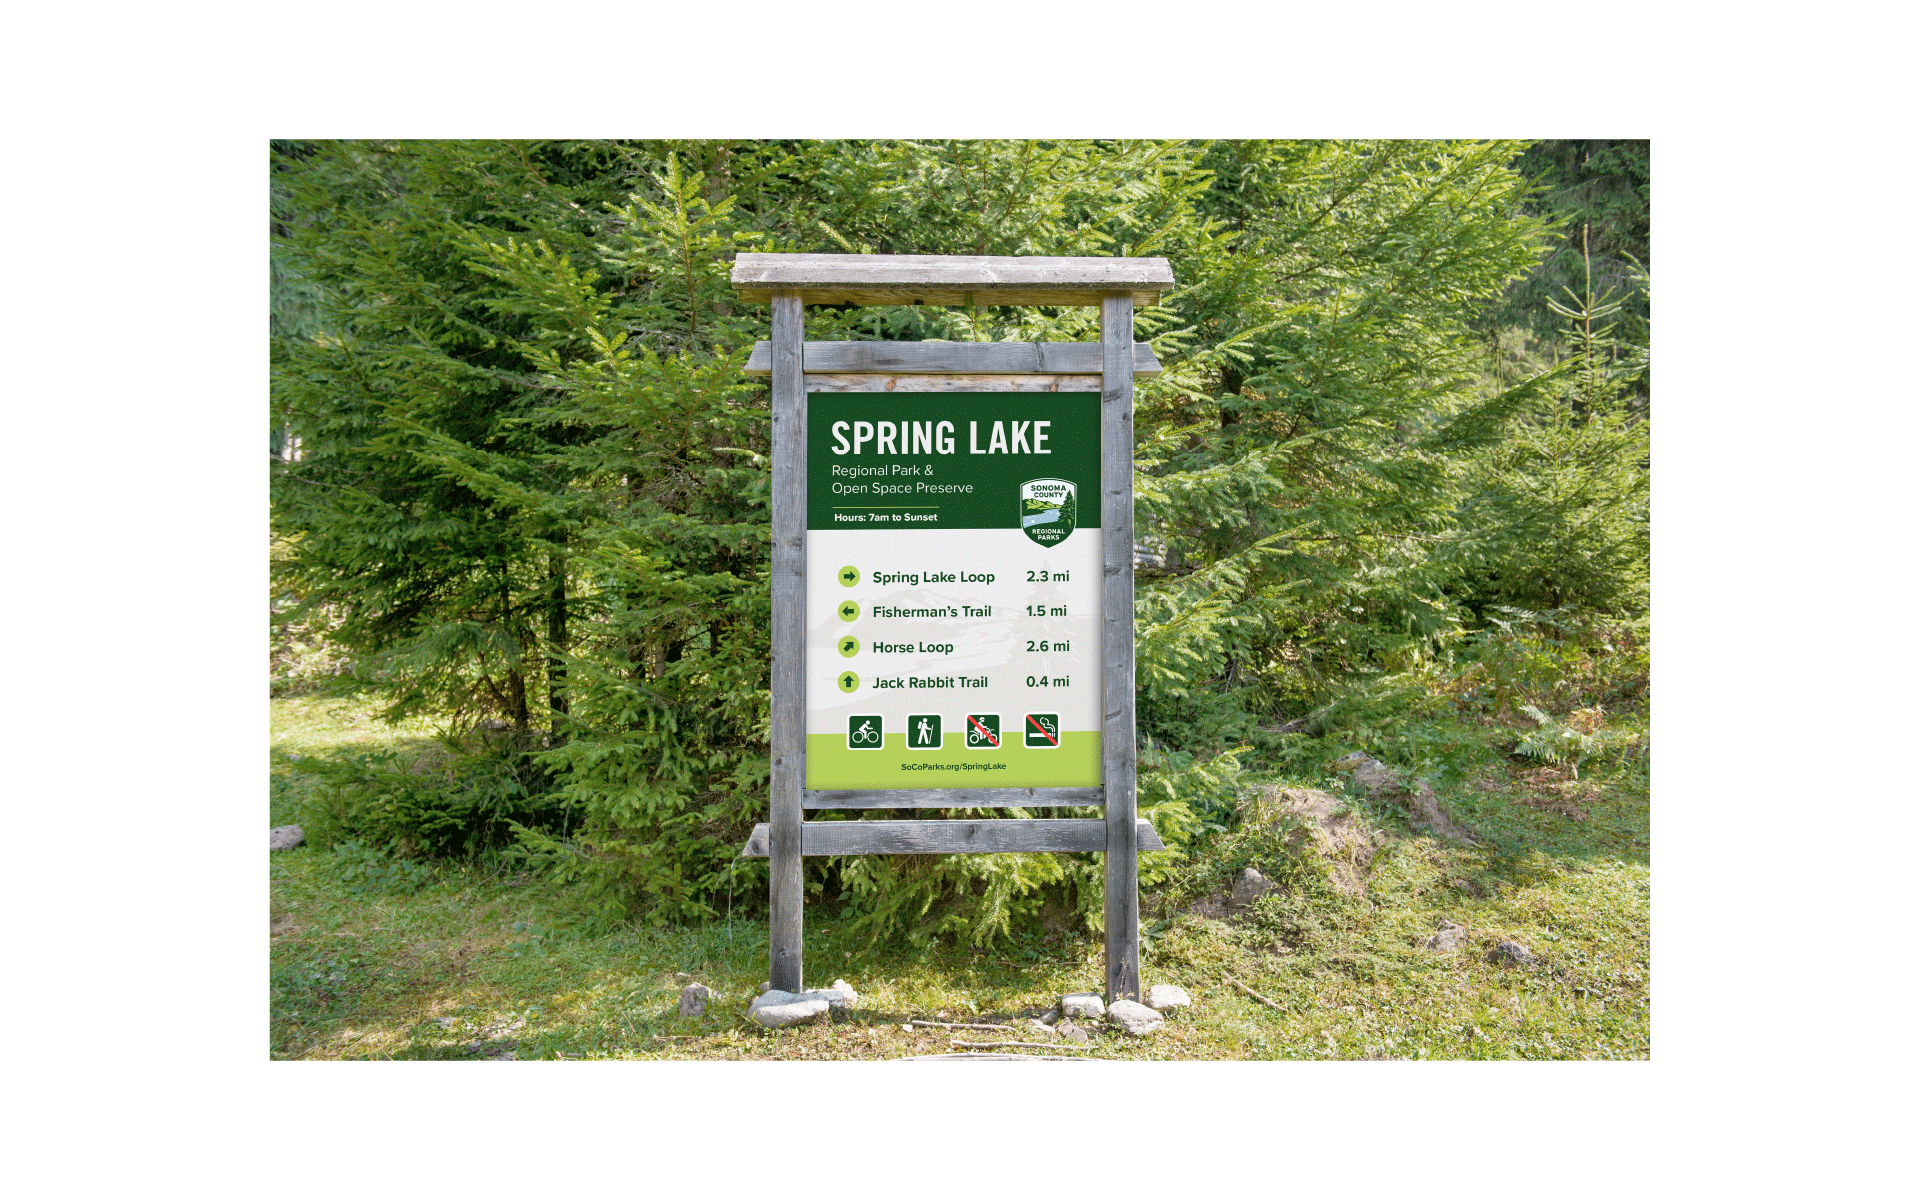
{"x": 474, "y": 961}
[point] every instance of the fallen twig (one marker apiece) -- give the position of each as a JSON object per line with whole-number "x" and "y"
{"x": 993, "y": 1057}
{"x": 945, "y": 1025}
{"x": 997, "y": 1045}
{"x": 1249, "y": 991}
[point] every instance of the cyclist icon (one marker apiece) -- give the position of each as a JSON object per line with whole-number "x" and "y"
{"x": 864, "y": 732}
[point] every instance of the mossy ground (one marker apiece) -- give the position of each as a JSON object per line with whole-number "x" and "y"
{"x": 374, "y": 972}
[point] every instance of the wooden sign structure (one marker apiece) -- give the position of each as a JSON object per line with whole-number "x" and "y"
{"x": 964, "y": 537}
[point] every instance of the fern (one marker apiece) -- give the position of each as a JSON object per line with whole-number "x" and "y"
{"x": 1555, "y": 742}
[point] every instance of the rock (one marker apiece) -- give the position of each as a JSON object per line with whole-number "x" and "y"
{"x": 1050, "y": 1017}
{"x": 1385, "y": 784}
{"x": 1041, "y": 1028}
{"x": 1164, "y": 997}
{"x": 1136, "y": 1019}
{"x": 1083, "y": 1004}
{"x": 777, "y": 1010}
{"x": 1448, "y": 937}
{"x": 494, "y": 725}
{"x": 1072, "y": 1032}
{"x": 766, "y": 985}
{"x": 1249, "y": 885}
{"x": 285, "y": 837}
{"x": 693, "y": 999}
{"x": 847, "y": 997}
{"x": 1510, "y": 954}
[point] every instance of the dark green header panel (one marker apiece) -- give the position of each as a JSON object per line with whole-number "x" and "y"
{"x": 954, "y": 460}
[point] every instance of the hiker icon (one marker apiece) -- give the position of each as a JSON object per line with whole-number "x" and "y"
{"x": 923, "y": 731}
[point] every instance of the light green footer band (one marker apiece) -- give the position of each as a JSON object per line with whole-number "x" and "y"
{"x": 832, "y": 765}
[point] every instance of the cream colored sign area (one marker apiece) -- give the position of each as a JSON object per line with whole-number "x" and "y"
{"x": 954, "y": 658}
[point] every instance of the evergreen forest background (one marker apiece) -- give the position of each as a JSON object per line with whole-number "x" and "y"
{"x": 1392, "y": 487}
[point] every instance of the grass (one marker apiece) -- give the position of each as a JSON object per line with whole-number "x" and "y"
{"x": 373, "y": 960}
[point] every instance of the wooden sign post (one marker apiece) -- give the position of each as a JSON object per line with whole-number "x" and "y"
{"x": 952, "y": 574}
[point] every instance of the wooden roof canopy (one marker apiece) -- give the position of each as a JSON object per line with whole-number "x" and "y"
{"x": 949, "y": 279}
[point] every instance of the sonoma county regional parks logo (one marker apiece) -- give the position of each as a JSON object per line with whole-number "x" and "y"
{"x": 1047, "y": 510}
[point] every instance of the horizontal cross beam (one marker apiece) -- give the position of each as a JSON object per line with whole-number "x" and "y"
{"x": 1061, "y": 797}
{"x": 819, "y": 838}
{"x": 949, "y": 279}
{"x": 953, "y": 358}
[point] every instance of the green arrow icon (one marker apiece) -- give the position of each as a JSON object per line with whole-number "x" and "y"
{"x": 848, "y": 576}
{"x": 849, "y": 682}
{"x": 849, "y": 611}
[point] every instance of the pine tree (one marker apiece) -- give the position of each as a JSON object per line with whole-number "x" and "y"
{"x": 533, "y": 479}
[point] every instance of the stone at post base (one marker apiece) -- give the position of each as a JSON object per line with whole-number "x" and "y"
{"x": 1163, "y": 997}
{"x": 1083, "y": 1004}
{"x": 693, "y": 999}
{"x": 777, "y": 1009}
{"x": 1136, "y": 1019}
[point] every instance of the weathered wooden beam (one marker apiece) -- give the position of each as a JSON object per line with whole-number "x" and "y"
{"x": 821, "y": 838}
{"x": 954, "y": 358}
{"x": 939, "y": 298}
{"x": 950, "y": 279}
{"x": 953, "y": 383}
{"x": 789, "y": 636}
{"x": 1117, "y": 749}
{"x": 1069, "y": 797}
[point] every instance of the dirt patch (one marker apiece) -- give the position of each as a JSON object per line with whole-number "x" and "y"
{"x": 1555, "y": 788}
{"x": 1314, "y": 827}
{"x": 1213, "y": 908}
{"x": 1321, "y": 825}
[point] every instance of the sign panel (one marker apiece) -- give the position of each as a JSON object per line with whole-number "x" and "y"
{"x": 953, "y": 590}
